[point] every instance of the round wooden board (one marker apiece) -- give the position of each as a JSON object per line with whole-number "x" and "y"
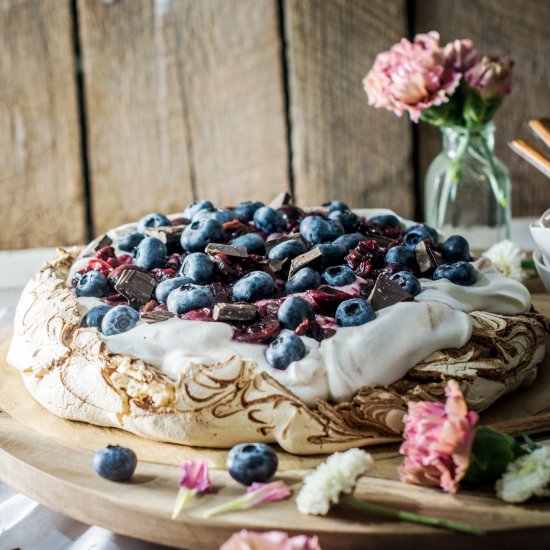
{"x": 61, "y": 477}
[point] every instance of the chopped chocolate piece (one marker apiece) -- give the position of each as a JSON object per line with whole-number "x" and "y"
{"x": 136, "y": 286}
{"x": 156, "y": 316}
{"x": 311, "y": 258}
{"x": 274, "y": 242}
{"x": 280, "y": 200}
{"x": 428, "y": 259}
{"x": 96, "y": 244}
{"x": 234, "y": 312}
{"x": 227, "y": 249}
{"x": 387, "y": 293}
{"x": 277, "y": 265}
{"x": 168, "y": 234}
{"x": 381, "y": 240}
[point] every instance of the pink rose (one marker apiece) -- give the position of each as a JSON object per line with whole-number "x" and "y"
{"x": 411, "y": 77}
{"x": 491, "y": 76}
{"x": 461, "y": 54}
{"x": 271, "y": 540}
{"x": 437, "y": 441}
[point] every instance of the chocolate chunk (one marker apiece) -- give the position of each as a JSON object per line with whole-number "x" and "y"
{"x": 136, "y": 286}
{"x": 218, "y": 248}
{"x": 428, "y": 259}
{"x": 234, "y": 312}
{"x": 168, "y": 234}
{"x": 96, "y": 244}
{"x": 276, "y": 265}
{"x": 387, "y": 293}
{"x": 280, "y": 200}
{"x": 156, "y": 316}
{"x": 274, "y": 242}
{"x": 311, "y": 258}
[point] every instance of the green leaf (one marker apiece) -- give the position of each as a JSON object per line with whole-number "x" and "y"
{"x": 446, "y": 114}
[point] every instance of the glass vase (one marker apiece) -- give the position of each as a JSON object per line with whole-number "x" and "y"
{"x": 467, "y": 189}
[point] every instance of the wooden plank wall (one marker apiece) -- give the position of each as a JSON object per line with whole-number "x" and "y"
{"x": 228, "y": 100}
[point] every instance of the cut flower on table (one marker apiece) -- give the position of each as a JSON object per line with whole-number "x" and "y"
{"x": 508, "y": 257}
{"x": 270, "y": 540}
{"x": 194, "y": 480}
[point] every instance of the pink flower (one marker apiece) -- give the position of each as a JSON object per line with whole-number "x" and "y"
{"x": 195, "y": 476}
{"x": 437, "y": 441}
{"x": 491, "y": 76}
{"x": 257, "y": 493}
{"x": 411, "y": 77}
{"x": 271, "y": 540}
{"x": 461, "y": 54}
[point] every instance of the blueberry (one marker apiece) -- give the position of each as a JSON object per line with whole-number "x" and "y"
{"x": 198, "y": 267}
{"x": 92, "y": 283}
{"x": 163, "y": 289}
{"x": 401, "y": 255}
{"x": 316, "y": 229}
{"x": 119, "y": 319}
{"x": 354, "y": 312}
{"x": 189, "y": 297}
{"x": 269, "y": 220}
{"x": 150, "y": 253}
{"x": 335, "y": 206}
{"x": 338, "y": 275}
{"x": 197, "y": 235}
{"x": 293, "y": 311}
{"x": 250, "y": 463}
{"x": 386, "y": 219}
{"x": 245, "y": 210}
{"x": 94, "y": 316}
{"x": 194, "y": 207}
{"x": 456, "y": 249}
{"x": 408, "y": 281}
{"x": 285, "y": 349}
{"x": 304, "y": 279}
{"x": 115, "y": 463}
{"x": 254, "y": 286}
{"x": 222, "y": 215}
{"x": 418, "y": 233}
{"x": 128, "y": 242}
{"x": 287, "y": 249}
{"x": 151, "y": 221}
{"x": 253, "y": 243}
{"x": 350, "y": 241}
{"x": 459, "y": 273}
{"x": 331, "y": 253}
{"x": 347, "y": 218}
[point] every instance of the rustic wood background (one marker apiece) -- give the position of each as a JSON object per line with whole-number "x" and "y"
{"x": 110, "y": 109}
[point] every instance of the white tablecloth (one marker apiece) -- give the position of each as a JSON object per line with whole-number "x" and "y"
{"x": 24, "y": 523}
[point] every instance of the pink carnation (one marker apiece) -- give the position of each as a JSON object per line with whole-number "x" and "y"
{"x": 437, "y": 441}
{"x": 491, "y": 76}
{"x": 271, "y": 540}
{"x": 411, "y": 77}
{"x": 461, "y": 54}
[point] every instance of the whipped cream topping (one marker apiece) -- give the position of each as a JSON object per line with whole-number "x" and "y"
{"x": 378, "y": 352}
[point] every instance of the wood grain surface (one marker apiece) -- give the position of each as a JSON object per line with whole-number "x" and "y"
{"x": 184, "y": 100}
{"x": 41, "y": 198}
{"x": 341, "y": 147}
{"x": 510, "y": 27}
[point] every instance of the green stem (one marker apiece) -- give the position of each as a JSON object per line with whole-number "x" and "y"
{"x": 185, "y": 496}
{"x": 239, "y": 503}
{"x": 493, "y": 180}
{"x": 351, "y": 501}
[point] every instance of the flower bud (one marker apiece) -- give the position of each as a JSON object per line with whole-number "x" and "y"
{"x": 491, "y": 76}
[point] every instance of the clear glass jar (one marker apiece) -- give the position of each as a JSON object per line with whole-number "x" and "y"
{"x": 467, "y": 189}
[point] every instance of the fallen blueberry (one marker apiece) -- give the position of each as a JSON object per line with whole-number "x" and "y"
{"x": 194, "y": 207}
{"x": 386, "y": 219}
{"x": 418, "y": 233}
{"x": 347, "y": 218}
{"x": 287, "y": 249}
{"x": 335, "y": 206}
{"x": 150, "y": 253}
{"x": 221, "y": 215}
{"x": 245, "y": 210}
{"x": 115, "y": 463}
{"x": 401, "y": 255}
{"x": 331, "y": 253}
{"x": 350, "y": 241}
{"x": 316, "y": 229}
{"x": 250, "y": 463}
{"x": 269, "y": 220}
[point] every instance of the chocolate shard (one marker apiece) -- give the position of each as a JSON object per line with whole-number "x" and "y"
{"x": 428, "y": 259}
{"x": 381, "y": 240}
{"x": 168, "y": 234}
{"x": 96, "y": 244}
{"x": 218, "y": 248}
{"x": 277, "y": 265}
{"x": 387, "y": 293}
{"x": 280, "y": 200}
{"x": 274, "y": 242}
{"x": 156, "y": 316}
{"x": 234, "y": 312}
{"x": 311, "y": 258}
{"x": 136, "y": 286}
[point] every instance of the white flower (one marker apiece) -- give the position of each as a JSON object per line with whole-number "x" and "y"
{"x": 330, "y": 479}
{"x": 507, "y": 256}
{"x": 527, "y": 476}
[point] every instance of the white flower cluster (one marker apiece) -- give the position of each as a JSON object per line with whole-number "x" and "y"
{"x": 330, "y": 479}
{"x": 507, "y": 256}
{"x": 527, "y": 476}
